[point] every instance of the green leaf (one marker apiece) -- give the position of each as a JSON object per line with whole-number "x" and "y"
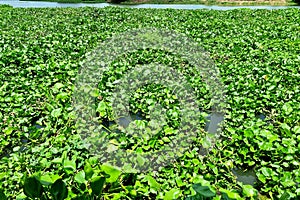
{"x": 57, "y": 160}
{"x": 113, "y": 172}
{"x": 249, "y": 191}
{"x": 2, "y": 195}
{"x": 102, "y": 107}
{"x": 94, "y": 92}
{"x": 59, "y": 190}
{"x": 262, "y": 178}
{"x": 2, "y": 175}
{"x": 152, "y": 183}
{"x": 48, "y": 179}
{"x": 287, "y": 108}
{"x": 203, "y": 190}
{"x": 33, "y": 188}
{"x": 296, "y": 129}
{"x": 172, "y": 194}
{"x": 97, "y": 184}
{"x": 230, "y": 194}
{"x": 179, "y": 182}
{"x": 284, "y": 196}
{"x": 56, "y": 112}
{"x": 88, "y": 170}
{"x": 57, "y": 86}
{"x": 62, "y": 96}
{"x": 69, "y": 165}
{"x": 266, "y": 171}
{"x": 8, "y": 130}
{"x": 140, "y": 160}
{"x": 286, "y": 128}
{"x": 80, "y": 177}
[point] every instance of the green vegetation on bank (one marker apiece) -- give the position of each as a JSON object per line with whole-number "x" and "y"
{"x": 204, "y": 2}
{"x": 213, "y": 2}
{"x": 43, "y": 157}
{"x": 3, "y": 6}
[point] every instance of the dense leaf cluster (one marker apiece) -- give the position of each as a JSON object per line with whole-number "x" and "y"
{"x": 256, "y": 51}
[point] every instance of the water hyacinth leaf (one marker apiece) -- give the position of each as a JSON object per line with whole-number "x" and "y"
{"x": 62, "y": 96}
{"x": 69, "y": 165}
{"x": 262, "y": 178}
{"x": 140, "y": 160}
{"x": 59, "y": 190}
{"x": 48, "y": 179}
{"x": 56, "y": 112}
{"x": 2, "y": 195}
{"x": 57, "y": 160}
{"x": 88, "y": 170}
{"x": 112, "y": 171}
{"x": 2, "y": 175}
{"x": 266, "y": 171}
{"x": 33, "y": 188}
{"x": 97, "y": 184}
{"x": 80, "y": 177}
{"x": 230, "y": 194}
{"x": 287, "y": 108}
{"x": 57, "y": 86}
{"x": 94, "y": 92}
{"x": 153, "y": 183}
{"x": 8, "y": 130}
{"x": 285, "y": 128}
{"x": 249, "y": 191}
{"x": 204, "y": 190}
{"x": 285, "y": 195}
{"x": 172, "y": 194}
{"x": 102, "y": 107}
{"x": 296, "y": 129}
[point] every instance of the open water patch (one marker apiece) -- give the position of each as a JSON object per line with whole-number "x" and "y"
{"x": 247, "y": 177}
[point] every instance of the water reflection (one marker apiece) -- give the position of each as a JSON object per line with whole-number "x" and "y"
{"x": 123, "y": 121}
{"x": 261, "y": 116}
{"x": 247, "y": 177}
{"x": 213, "y": 122}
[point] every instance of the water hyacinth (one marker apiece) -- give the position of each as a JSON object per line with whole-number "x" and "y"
{"x": 43, "y": 155}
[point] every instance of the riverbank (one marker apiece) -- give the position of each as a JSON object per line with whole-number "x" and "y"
{"x": 197, "y": 2}
{"x": 215, "y": 2}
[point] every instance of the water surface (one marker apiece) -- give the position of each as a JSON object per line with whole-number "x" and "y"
{"x": 247, "y": 177}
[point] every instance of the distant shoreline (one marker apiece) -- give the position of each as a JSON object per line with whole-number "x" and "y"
{"x": 196, "y": 2}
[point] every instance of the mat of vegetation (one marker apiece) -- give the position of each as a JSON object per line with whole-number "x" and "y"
{"x": 43, "y": 157}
